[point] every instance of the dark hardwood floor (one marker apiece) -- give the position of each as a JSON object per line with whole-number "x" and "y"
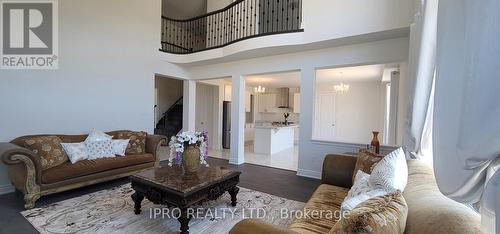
{"x": 274, "y": 181}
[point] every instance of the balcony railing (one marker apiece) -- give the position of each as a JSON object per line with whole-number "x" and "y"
{"x": 240, "y": 20}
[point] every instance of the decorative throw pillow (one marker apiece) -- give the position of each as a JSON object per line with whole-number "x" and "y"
{"x": 100, "y": 149}
{"x": 48, "y": 148}
{"x": 382, "y": 214}
{"x": 120, "y": 146}
{"x": 360, "y": 192}
{"x": 137, "y": 143}
{"x": 75, "y": 151}
{"x": 96, "y": 135}
{"x": 391, "y": 173}
{"x": 365, "y": 161}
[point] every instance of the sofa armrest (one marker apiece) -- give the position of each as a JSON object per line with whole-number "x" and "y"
{"x": 25, "y": 170}
{"x": 338, "y": 170}
{"x": 153, "y": 142}
{"x": 256, "y": 226}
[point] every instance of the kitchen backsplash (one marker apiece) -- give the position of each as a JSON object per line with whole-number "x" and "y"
{"x": 277, "y": 116}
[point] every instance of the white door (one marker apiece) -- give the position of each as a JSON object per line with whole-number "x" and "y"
{"x": 325, "y": 116}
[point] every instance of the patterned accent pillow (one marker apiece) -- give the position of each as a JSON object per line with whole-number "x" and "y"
{"x": 360, "y": 192}
{"x": 75, "y": 151}
{"x": 96, "y": 135}
{"x": 391, "y": 173}
{"x": 48, "y": 148}
{"x": 120, "y": 147}
{"x": 100, "y": 149}
{"x": 366, "y": 161}
{"x": 137, "y": 143}
{"x": 382, "y": 214}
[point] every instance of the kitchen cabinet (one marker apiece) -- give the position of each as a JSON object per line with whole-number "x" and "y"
{"x": 227, "y": 93}
{"x": 296, "y": 103}
{"x": 248, "y": 97}
{"x": 267, "y": 103}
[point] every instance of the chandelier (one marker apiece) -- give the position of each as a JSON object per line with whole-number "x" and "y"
{"x": 341, "y": 88}
{"x": 260, "y": 89}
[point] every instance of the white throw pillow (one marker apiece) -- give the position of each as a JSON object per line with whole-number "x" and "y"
{"x": 120, "y": 146}
{"x": 96, "y": 135}
{"x": 100, "y": 149}
{"x": 391, "y": 173}
{"x": 75, "y": 151}
{"x": 360, "y": 192}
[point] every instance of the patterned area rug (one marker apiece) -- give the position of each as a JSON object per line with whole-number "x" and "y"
{"x": 111, "y": 211}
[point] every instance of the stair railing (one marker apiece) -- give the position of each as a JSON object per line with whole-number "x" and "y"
{"x": 242, "y": 19}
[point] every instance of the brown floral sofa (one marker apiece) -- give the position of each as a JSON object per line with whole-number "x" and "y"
{"x": 428, "y": 210}
{"x": 35, "y": 178}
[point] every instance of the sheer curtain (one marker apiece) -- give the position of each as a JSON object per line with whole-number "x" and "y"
{"x": 466, "y": 130}
{"x": 421, "y": 72}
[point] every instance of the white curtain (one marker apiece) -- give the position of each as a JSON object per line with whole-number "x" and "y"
{"x": 421, "y": 73}
{"x": 466, "y": 130}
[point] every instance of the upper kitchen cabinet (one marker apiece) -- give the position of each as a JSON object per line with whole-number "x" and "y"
{"x": 296, "y": 103}
{"x": 267, "y": 103}
{"x": 227, "y": 93}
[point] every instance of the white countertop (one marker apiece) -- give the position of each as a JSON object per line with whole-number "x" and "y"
{"x": 277, "y": 126}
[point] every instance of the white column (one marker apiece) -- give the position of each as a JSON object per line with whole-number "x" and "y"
{"x": 237, "y": 120}
{"x": 189, "y": 106}
{"x": 307, "y": 100}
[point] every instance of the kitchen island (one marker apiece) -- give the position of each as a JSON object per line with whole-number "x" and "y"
{"x": 273, "y": 139}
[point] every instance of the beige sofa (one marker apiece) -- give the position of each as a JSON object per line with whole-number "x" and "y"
{"x": 428, "y": 210}
{"x": 26, "y": 174}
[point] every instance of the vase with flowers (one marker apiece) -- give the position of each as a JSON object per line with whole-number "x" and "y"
{"x": 189, "y": 149}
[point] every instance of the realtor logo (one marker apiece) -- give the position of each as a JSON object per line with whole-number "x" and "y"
{"x": 29, "y": 35}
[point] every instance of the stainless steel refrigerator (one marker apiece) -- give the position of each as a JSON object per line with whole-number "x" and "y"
{"x": 226, "y": 124}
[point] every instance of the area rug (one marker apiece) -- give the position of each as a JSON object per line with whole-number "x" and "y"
{"x": 111, "y": 211}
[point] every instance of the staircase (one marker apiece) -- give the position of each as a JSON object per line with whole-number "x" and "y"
{"x": 171, "y": 122}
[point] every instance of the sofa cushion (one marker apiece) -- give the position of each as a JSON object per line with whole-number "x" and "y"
{"x": 325, "y": 198}
{"x": 383, "y": 214}
{"x": 137, "y": 143}
{"x": 366, "y": 161}
{"x": 87, "y": 167}
{"x": 48, "y": 148}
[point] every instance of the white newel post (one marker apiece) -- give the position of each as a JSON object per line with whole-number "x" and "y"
{"x": 237, "y": 120}
{"x": 189, "y": 106}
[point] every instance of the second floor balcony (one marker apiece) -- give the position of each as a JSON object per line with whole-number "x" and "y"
{"x": 242, "y": 19}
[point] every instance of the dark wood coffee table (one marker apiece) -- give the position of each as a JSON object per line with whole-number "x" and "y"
{"x": 171, "y": 187}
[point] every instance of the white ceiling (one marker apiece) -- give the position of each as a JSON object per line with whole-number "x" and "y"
{"x": 369, "y": 73}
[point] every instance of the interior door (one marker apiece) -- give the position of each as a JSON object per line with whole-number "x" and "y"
{"x": 325, "y": 116}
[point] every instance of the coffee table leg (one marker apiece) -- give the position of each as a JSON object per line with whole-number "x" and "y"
{"x": 184, "y": 220}
{"x": 233, "y": 192}
{"x": 137, "y": 198}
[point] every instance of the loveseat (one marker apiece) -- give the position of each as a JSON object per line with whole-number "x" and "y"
{"x": 429, "y": 211}
{"x": 28, "y": 177}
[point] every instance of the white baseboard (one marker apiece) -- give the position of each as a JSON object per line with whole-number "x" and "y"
{"x": 6, "y": 188}
{"x": 309, "y": 173}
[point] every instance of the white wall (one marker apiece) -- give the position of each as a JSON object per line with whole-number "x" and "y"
{"x": 169, "y": 91}
{"x": 108, "y": 58}
{"x": 213, "y": 5}
{"x": 328, "y": 19}
{"x": 357, "y": 112}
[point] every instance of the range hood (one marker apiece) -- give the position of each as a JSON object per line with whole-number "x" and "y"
{"x": 283, "y": 98}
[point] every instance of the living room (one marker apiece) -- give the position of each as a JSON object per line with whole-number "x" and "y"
{"x": 80, "y": 152}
